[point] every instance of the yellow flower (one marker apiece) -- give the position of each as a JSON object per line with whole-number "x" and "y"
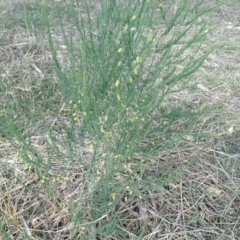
{"x": 75, "y": 117}
{"x": 134, "y": 17}
{"x": 120, "y": 50}
{"x": 43, "y": 180}
{"x": 130, "y": 79}
{"x": 135, "y": 71}
{"x": 113, "y": 196}
{"x": 58, "y": 178}
{"x": 138, "y": 60}
{"x": 118, "y": 97}
{"x": 117, "y": 83}
{"x": 119, "y": 63}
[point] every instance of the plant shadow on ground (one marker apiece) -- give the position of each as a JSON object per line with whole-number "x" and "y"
{"x": 55, "y": 185}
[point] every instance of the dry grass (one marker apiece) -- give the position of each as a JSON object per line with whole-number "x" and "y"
{"x": 203, "y": 203}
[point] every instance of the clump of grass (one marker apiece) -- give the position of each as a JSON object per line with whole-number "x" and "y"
{"x": 123, "y": 63}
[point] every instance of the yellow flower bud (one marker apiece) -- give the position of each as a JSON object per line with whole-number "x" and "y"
{"x": 120, "y": 50}
{"x": 118, "y": 97}
{"x": 117, "y": 83}
{"x": 134, "y": 17}
{"x": 138, "y": 60}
